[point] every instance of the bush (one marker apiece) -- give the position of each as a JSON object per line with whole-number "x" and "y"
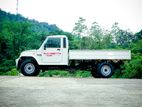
{"x": 59, "y": 73}
{"x": 12, "y": 72}
{"x": 54, "y": 73}
{"x": 82, "y": 74}
{"x": 6, "y": 65}
{"x": 133, "y": 68}
{"x": 117, "y": 73}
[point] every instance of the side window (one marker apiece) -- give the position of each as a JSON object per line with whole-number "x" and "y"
{"x": 53, "y": 43}
{"x": 64, "y": 42}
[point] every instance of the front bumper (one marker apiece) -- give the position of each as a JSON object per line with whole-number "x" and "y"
{"x": 17, "y": 60}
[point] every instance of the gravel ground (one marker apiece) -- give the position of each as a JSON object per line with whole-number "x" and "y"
{"x": 19, "y": 91}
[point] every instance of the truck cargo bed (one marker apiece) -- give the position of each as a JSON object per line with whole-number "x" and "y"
{"x": 99, "y": 54}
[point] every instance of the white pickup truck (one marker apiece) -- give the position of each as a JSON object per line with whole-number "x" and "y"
{"x": 54, "y": 53}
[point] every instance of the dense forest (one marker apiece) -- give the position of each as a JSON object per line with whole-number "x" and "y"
{"x": 18, "y": 34}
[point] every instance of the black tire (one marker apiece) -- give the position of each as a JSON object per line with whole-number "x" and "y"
{"x": 105, "y": 70}
{"x": 29, "y": 68}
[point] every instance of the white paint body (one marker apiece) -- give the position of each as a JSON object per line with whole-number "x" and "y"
{"x": 99, "y": 54}
{"x": 62, "y": 55}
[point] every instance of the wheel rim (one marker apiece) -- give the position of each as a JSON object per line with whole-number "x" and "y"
{"x": 29, "y": 68}
{"x": 106, "y": 70}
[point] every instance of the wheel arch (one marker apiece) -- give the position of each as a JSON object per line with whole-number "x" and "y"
{"x": 23, "y": 58}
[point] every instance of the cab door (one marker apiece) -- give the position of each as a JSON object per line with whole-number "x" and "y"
{"x": 53, "y": 52}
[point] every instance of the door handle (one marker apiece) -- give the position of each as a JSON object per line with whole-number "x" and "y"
{"x": 58, "y": 49}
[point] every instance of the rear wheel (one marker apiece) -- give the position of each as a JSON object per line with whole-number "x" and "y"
{"x": 105, "y": 70}
{"x": 29, "y": 68}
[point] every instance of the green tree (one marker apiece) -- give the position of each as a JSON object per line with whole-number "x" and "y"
{"x": 80, "y": 27}
{"x": 80, "y": 30}
{"x": 96, "y": 34}
{"x": 138, "y": 36}
{"x": 122, "y": 38}
{"x": 107, "y": 41}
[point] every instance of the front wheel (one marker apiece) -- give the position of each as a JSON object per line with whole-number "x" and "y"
{"x": 29, "y": 68}
{"x": 105, "y": 70}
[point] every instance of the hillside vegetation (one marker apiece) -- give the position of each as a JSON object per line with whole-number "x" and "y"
{"x": 18, "y": 34}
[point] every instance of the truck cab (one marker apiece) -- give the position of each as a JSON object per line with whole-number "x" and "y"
{"x": 54, "y": 51}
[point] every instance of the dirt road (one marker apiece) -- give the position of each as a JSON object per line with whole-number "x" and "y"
{"x": 20, "y": 91}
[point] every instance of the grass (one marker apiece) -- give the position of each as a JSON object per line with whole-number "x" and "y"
{"x": 53, "y": 73}
{"x": 62, "y": 73}
{"x": 12, "y": 72}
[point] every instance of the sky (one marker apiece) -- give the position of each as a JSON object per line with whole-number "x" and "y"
{"x": 65, "y": 13}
